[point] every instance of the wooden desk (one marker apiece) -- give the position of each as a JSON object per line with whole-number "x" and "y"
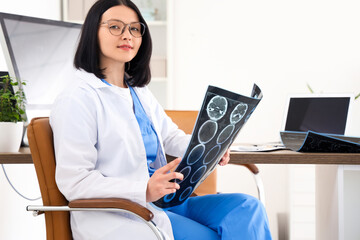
{"x": 275, "y": 157}
{"x": 23, "y": 156}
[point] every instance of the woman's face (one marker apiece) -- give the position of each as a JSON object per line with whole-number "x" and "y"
{"x": 122, "y": 48}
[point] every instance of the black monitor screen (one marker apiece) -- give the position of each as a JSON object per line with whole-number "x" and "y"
{"x": 39, "y": 52}
{"x": 322, "y": 114}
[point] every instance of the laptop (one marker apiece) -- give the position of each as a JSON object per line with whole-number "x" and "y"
{"x": 321, "y": 113}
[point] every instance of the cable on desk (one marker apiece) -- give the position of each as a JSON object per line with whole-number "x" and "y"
{"x": 7, "y": 178}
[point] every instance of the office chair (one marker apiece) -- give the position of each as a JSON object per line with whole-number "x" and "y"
{"x": 56, "y": 208}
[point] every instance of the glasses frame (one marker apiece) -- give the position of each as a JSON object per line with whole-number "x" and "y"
{"x": 126, "y": 25}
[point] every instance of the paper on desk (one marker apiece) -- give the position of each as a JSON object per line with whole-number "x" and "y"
{"x": 266, "y": 147}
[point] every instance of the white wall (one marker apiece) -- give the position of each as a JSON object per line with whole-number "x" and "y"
{"x": 279, "y": 45}
{"x": 15, "y": 222}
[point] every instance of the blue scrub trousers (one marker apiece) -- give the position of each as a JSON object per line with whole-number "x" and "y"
{"x": 220, "y": 216}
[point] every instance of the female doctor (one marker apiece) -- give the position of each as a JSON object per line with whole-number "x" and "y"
{"x": 111, "y": 134}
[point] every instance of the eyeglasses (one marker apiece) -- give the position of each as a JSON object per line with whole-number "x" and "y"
{"x": 117, "y": 27}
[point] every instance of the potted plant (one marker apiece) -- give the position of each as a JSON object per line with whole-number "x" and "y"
{"x": 12, "y": 114}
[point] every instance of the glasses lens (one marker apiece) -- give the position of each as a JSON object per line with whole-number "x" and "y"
{"x": 116, "y": 28}
{"x": 137, "y": 29}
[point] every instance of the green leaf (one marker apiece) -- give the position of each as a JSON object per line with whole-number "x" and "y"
{"x": 357, "y": 96}
{"x": 310, "y": 89}
{"x": 11, "y": 104}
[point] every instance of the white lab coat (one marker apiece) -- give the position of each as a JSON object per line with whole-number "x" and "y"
{"x": 100, "y": 154}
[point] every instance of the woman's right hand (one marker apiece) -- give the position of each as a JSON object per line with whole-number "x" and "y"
{"x": 159, "y": 184}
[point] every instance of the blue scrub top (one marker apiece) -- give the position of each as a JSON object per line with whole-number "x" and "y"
{"x": 148, "y": 133}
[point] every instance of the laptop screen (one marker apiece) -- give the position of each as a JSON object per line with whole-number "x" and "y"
{"x": 323, "y": 114}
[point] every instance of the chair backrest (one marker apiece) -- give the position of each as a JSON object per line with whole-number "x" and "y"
{"x": 40, "y": 138}
{"x": 186, "y": 121}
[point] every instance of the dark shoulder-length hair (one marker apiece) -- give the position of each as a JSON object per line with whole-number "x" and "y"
{"x": 88, "y": 50}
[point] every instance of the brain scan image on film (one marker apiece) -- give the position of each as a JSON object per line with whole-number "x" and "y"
{"x": 225, "y": 134}
{"x": 221, "y": 117}
{"x": 198, "y": 174}
{"x": 238, "y": 113}
{"x": 216, "y": 108}
{"x": 185, "y": 171}
{"x": 186, "y": 193}
{"x": 211, "y": 155}
{"x": 207, "y": 131}
{"x": 195, "y": 154}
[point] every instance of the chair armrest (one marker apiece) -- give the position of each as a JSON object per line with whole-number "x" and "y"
{"x": 105, "y": 204}
{"x": 101, "y": 204}
{"x": 118, "y": 203}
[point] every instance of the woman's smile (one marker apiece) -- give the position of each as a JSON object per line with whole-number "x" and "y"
{"x": 125, "y": 47}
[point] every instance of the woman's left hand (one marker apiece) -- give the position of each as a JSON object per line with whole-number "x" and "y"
{"x": 225, "y": 159}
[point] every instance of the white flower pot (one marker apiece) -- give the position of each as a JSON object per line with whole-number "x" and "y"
{"x": 10, "y": 136}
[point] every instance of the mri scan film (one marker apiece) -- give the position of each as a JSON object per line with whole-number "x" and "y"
{"x": 222, "y": 115}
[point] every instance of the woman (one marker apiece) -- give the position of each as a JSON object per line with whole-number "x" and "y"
{"x": 110, "y": 136}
